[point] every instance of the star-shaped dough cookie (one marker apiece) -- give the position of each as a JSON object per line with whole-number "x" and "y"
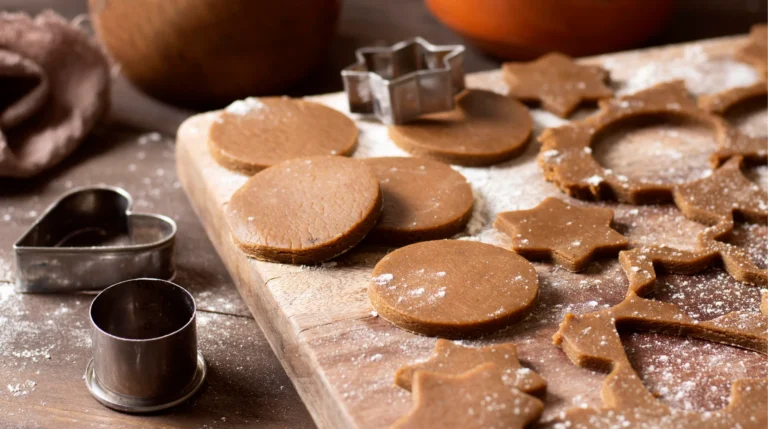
{"x": 454, "y": 359}
{"x": 718, "y": 197}
{"x": 755, "y": 52}
{"x": 557, "y": 82}
{"x": 473, "y": 400}
{"x": 569, "y": 235}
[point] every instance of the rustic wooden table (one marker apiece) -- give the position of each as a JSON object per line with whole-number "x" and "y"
{"x": 45, "y": 340}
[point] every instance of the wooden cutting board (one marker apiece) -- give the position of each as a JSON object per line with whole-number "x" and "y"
{"x": 342, "y": 357}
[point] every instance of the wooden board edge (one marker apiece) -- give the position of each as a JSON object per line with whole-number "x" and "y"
{"x": 293, "y": 354}
{"x": 292, "y": 350}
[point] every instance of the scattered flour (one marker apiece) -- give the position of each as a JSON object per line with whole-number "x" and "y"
{"x": 244, "y": 107}
{"x": 594, "y": 180}
{"x": 701, "y": 73}
{"x": 383, "y": 279}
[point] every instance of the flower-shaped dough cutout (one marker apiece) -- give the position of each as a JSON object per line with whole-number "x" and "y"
{"x": 571, "y": 236}
{"x": 453, "y": 359}
{"x": 566, "y": 156}
{"x": 592, "y": 340}
{"x": 754, "y": 149}
{"x": 755, "y": 51}
{"x": 557, "y": 82}
{"x": 473, "y": 400}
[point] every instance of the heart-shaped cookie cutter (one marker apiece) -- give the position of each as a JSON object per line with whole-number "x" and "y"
{"x": 89, "y": 239}
{"x": 404, "y": 81}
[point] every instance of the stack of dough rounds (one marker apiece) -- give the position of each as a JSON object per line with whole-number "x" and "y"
{"x": 423, "y": 200}
{"x": 485, "y": 128}
{"x": 253, "y": 134}
{"x": 306, "y": 210}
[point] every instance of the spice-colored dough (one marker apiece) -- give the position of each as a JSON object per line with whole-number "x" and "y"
{"x": 477, "y": 399}
{"x": 571, "y": 236}
{"x": 422, "y": 200}
{"x": 717, "y": 197}
{"x": 454, "y": 359}
{"x": 754, "y": 149}
{"x": 639, "y": 264}
{"x": 267, "y": 131}
{"x": 305, "y": 210}
{"x": 755, "y": 51}
{"x": 713, "y": 200}
{"x": 592, "y": 341}
{"x": 453, "y": 288}
{"x": 485, "y": 128}
{"x": 566, "y": 156}
{"x": 557, "y": 82}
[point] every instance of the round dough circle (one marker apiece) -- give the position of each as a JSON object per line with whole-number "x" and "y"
{"x": 485, "y": 128}
{"x": 305, "y": 210}
{"x": 267, "y": 131}
{"x": 453, "y": 288}
{"x": 422, "y": 200}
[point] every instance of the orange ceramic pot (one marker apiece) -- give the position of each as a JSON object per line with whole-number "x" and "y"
{"x": 524, "y": 29}
{"x": 202, "y": 53}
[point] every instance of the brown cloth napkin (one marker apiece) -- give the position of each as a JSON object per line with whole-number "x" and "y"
{"x": 54, "y": 86}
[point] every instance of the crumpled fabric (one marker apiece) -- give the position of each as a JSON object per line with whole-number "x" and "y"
{"x": 54, "y": 87}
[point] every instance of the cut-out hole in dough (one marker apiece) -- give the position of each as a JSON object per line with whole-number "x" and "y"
{"x": 750, "y": 116}
{"x": 752, "y": 238}
{"x": 721, "y": 295}
{"x": 758, "y": 174}
{"x": 650, "y": 224}
{"x": 661, "y": 149}
{"x": 687, "y": 373}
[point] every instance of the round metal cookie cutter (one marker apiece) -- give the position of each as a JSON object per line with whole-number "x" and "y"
{"x": 145, "y": 355}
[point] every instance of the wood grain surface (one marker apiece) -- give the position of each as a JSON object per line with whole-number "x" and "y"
{"x": 342, "y": 357}
{"x": 257, "y": 394}
{"x": 45, "y": 340}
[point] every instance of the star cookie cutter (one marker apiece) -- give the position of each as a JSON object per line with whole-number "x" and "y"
{"x": 404, "y": 81}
